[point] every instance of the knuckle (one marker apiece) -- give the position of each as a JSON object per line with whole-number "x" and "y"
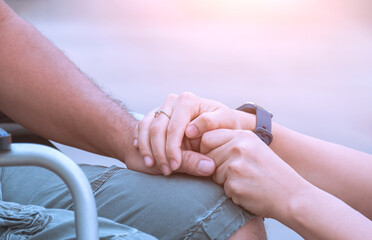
{"x": 234, "y": 167}
{"x": 226, "y": 187}
{"x": 188, "y": 166}
{"x": 205, "y": 138}
{"x": 145, "y": 153}
{"x": 186, "y": 155}
{"x": 189, "y": 159}
{"x": 235, "y": 199}
{"x": 187, "y": 99}
{"x": 215, "y": 178}
{"x": 244, "y": 148}
{"x": 244, "y": 134}
{"x": 205, "y": 143}
{"x": 143, "y": 147}
{"x": 237, "y": 149}
{"x": 233, "y": 187}
{"x": 172, "y": 127}
{"x": 170, "y": 152}
{"x": 159, "y": 158}
{"x": 228, "y": 191}
{"x": 209, "y": 123}
{"x": 155, "y": 128}
{"x": 141, "y": 125}
{"x": 187, "y": 95}
{"x": 171, "y": 97}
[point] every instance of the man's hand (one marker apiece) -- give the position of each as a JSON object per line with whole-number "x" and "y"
{"x": 191, "y": 161}
{"x": 160, "y": 139}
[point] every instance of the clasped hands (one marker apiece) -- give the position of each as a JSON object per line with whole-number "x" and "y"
{"x": 204, "y": 137}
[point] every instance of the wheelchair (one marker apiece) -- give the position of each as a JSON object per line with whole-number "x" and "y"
{"x": 44, "y": 155}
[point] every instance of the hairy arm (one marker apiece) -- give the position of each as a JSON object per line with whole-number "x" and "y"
{"x": 43, "y": 91}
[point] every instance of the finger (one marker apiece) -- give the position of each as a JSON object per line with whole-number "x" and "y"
{"x": 223, "y": 117}
{"x": 143, "y": 139}
{"x": 186, "y": 110}
{"x": 220, "y": 175}
{"x": 158, "y": 135}
{"x": 221, "y": 157}
{"x": 216, "y": 138}
{"x": 196, "y": 164}
{"x": 221, "y": 154}
{"x": 224, "y": 157}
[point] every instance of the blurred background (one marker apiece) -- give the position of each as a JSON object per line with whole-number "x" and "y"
{"x": 309, "y": 62}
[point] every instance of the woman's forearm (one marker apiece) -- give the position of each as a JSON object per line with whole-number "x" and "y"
{"x": 42, "y": 90}
{"x": 254, "y": 177}
{"x": 339, "y": 170}
{"x": 315, "y": 214}
{"x": 336, "y": 169}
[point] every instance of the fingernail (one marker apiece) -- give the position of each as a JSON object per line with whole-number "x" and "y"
{"x": 135, "y": 142}
{"x": 165, "y": 169}
{"x": 205, "y": 166}
{"x": 173, "y": 164}
{"x": 148, "y": 161}
{"x": 192, "y": 131}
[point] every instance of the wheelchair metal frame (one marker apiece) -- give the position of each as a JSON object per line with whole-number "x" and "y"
{"x": 26, "y": 154}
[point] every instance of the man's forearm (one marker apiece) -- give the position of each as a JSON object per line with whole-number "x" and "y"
{"x": 42, "y": 90}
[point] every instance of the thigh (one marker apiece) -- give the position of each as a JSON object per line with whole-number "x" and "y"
{"x": 30, "y": 221}
{"x": 175, "y": 207}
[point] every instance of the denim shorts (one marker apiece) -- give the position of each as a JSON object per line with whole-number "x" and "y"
{"x": 130, "y": 205}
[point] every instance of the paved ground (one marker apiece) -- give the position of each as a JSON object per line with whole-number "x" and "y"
{"x": 310, "y": 62}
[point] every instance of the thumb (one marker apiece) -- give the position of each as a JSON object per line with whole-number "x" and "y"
{"x": 196, "y": 164}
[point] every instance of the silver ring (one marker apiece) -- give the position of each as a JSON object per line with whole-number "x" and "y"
{"x": 158, "y": 112}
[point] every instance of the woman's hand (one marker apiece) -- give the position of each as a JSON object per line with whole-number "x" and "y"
{"x": 251, "y": 173}
{"x": 160, "y": 139}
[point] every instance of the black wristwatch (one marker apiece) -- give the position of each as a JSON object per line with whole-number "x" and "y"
{"x": 263, "y": 121}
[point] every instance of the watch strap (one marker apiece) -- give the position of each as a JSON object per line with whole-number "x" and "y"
{"x": 263, "y": 121}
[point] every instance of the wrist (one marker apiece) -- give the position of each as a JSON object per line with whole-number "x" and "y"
{"x": 122, "y": 139}
{"x": 299, "y": 204}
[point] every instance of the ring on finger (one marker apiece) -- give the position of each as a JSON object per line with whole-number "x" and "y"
{"x": 158, "y": 112}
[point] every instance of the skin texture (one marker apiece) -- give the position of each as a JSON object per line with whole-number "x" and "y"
{"x": 43, "y": 91}
{"x": 314, "y": 187}
{"x": 160, "y": 139}
{"x": 258, "y": 180}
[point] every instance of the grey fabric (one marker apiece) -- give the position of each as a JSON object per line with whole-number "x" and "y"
{"x": 175, "y": 207}
{"x": 18, "y": 222}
